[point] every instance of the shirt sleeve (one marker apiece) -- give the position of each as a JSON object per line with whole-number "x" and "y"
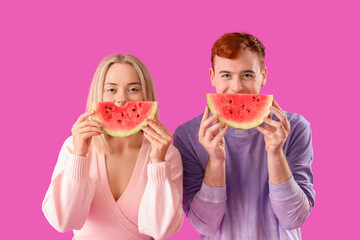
{"x": 204, "y": 205}
{"x": 160, "y": 212}
{"x": 292, "y": 200}
{"x": 67, "y": 201}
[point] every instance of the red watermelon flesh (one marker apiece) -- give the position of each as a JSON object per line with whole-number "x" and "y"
{"x": 126, "y": 120}
{"x": 241, "y": 111}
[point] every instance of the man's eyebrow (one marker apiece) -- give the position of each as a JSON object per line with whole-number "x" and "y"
{"x": 247, "y": 71}
{"x": 224, "y": 71}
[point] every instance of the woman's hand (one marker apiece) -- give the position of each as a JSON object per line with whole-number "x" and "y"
{"x": 159, "y": 137}
{"x": 82, "y": 131}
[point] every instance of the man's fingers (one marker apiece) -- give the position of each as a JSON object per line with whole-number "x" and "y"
{"x": 274, "y": 103}
{"x": 205, "y": 124}
{"x": 265, "y": 131}
{"x": 272, "y": 123}
{"x": 213, "y": 131}
{"x": 274, "y": 126}
{"x": 206, "y": 114}
{"x": 218, "y": 138}
{"x": 282, "y": 117}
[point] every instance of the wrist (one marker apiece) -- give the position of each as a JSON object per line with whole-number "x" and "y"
{"x": 215, "y": 163}
{"x": 276, "y": 152}
{"x": 215, "y": 173}
{"x": 79, "y": 153}
{"x": 155, "y": 160}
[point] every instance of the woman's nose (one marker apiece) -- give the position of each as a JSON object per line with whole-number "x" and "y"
{"x": 120, "y": 100}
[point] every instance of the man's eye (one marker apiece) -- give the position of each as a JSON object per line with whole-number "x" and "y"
{"x": 225, "y": 76}
{"x": 248, "y": 75}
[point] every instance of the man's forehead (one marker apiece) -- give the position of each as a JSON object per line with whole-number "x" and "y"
{"x": 245, "y": 61}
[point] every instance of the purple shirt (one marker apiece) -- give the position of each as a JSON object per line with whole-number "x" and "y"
{"x": 248, "y": 207}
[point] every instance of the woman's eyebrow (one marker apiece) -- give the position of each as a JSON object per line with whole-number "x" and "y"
{"x": 110, "y": 83}
{"x": 134, "y": 83}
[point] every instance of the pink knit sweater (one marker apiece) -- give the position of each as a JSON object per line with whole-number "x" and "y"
{"x": 79, "y": 197}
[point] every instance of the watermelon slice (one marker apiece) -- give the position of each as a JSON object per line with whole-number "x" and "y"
{"x": 242, "y": 111}
{"x": 126, "y": 120}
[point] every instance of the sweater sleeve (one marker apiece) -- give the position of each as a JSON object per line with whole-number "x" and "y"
{"x": 160, "y": 212}
{"x": 292, "y": 200}
{"x": 204, "y": 205}
{"x": 67, "y": 201}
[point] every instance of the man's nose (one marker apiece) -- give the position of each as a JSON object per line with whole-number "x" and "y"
{"x": 236, "y": 85}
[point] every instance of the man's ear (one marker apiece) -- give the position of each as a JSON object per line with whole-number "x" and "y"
{"x": 212, "y": 76}
{"x": 263, "y": 76}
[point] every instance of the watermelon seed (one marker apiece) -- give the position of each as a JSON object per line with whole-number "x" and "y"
{"x": 138, "y": 115}
{"x": 253, "y": 97}
{"x": 133, "y": 109}
{"x": 243, "y": 106}
{"x": 107, "y": 111}
{"x": 105, "y": 107}
{"x": 258, "y": 99}
{"x": 230, "y": 112}
{"x": 248, "y": 110}
{"x": 122, "y": 114}
{"x": 109, "y": 117}
{"x": 119, "y": 121}
{"x": 230, "y": 101}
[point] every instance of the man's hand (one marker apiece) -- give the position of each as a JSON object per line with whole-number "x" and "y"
{"x": 212, "y": 139}
{"x": 275, "y": 134}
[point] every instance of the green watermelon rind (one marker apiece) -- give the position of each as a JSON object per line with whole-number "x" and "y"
{"x": 234, "y": 124}
{"x": 135, "y": 129}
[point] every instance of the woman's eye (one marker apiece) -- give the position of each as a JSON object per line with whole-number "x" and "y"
{"x": 133, "y": 90}
{"x": 110, "y": 90}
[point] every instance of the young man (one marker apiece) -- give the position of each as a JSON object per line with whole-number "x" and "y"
{"x": 246, "y": 184}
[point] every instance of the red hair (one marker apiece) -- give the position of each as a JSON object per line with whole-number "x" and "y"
{"x": 230, "y": 45}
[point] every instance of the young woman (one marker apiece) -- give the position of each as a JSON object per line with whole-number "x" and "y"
{"x": 112, "y": 188}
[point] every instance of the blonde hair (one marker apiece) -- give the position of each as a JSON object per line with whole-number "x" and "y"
{"x": 97, "y": 88}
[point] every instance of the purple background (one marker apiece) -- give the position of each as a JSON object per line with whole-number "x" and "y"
{"x": 49, "y": 52}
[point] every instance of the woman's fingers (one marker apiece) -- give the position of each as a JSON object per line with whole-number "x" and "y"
{"x": 159, "y": 129}
{"x": 84, "y": 116}
{"x": 150, "y": 138}
{"x": 89, "y": 123}
{"x": 90, "y": 129}
{"x": 151, "y": 132}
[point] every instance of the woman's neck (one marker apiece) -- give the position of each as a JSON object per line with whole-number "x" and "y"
{"x": 119, "y": 144}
